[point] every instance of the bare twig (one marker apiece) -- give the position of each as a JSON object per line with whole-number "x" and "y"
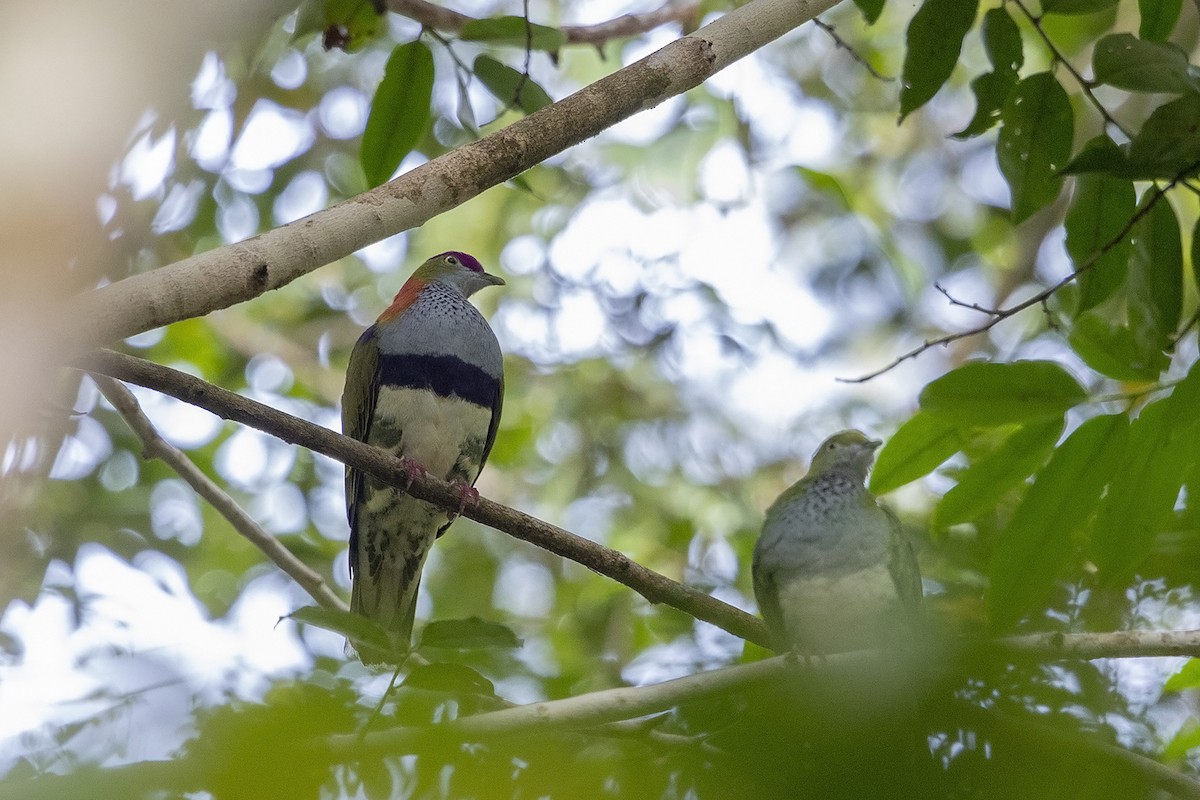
{"x": 844, "y": 45}
{"x": 998, "y": 315}
{"x": 654, "y": 587}
{"x": 155, "y": 446}
{"x": 444, "y": 19}
{"x": 954, "y": 301}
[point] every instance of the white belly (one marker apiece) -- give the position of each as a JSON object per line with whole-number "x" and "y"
{"x": 437, "y": 431}
{"x": 833, "y": 614}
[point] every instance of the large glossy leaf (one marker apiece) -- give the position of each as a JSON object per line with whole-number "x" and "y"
{"x": 1034, "y": 142}
{"x": 1143, "y": 491}
{"x": 916, "y": 449}
{"x": 991, "y": 90}
{"x": 1034, "y": 547}
{"x": 982, "y": 393}
{"x": 1156, "y": 278}
{"x": 353, "y": 626}
{"x": 510, "y": 86}
{"x": 1158, "y": 18}
{"x": 1111, "y": 349}
{"x": 399, "y": 111}
{"x": 1002, "y": 41}
{"x": 1168, "y": 145}
{"x": 1124, "y": 61}
{"x": 1101, "y": 207}
{"x": 990, "y": 478}
{"x": 932, "y": 45}
{"x": 471, "y": 633}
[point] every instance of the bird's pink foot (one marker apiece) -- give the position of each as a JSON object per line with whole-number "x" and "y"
{"x": 412, "y": 470}
{"x": 468, "y": 495}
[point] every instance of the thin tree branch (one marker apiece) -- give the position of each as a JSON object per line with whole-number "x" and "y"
{"x": 232, "y": 274}
{"x": 998, "y": 315}
{"x": 155, "y": 446}
{"x": 444, "y": 19}
{"x": 654, "y": 587}
{"x": 844, "y": 45}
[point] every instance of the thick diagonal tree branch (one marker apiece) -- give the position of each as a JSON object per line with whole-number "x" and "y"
{"x": 155, "y": 446}
{"x": 232, "y": 274}
{"x": 654, "y": 587}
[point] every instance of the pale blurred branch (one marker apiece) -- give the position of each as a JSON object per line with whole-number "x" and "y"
{"x": 238, "y": 272}
{"x": 654, "y": 587}
{"x": 155, "y": 446}
{"x": 608, "y": 706}
{"x": 683, "y": 12}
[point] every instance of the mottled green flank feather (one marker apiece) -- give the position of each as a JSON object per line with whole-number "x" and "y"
{"x": 358, "y": 408}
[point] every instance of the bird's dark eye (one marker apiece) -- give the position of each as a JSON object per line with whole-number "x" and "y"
{"x": 452, "y": 261}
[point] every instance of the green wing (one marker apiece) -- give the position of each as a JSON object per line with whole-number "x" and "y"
{"x": 902, "y": 564}
{"x": 358, "y": 406}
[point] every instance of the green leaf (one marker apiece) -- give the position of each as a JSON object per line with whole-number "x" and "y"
{"x": 353, "y": 626}
{"x": 1196, "y": 253}
{"x": 1034, "y": 142}
{"x": 1100, "y": 207}
{"x": 933, "y": 43}
{"x": 1183, "y": 404}
{"x": 991, "y": 91}
{"x": 1076, "y": 6}
{"x": 1112, "y": 350}
{"x": 871, "y": 9}
{"x": 982, "y": 485}
{"x": 1158, "y": 18}
{"x": 514, "y": 31}
{"x": 1100, "y": 155}
{"x": 1168, "y": 145}
{"x": 916, "y": 449}
{"x": 448, "y": 677}
{"x": 1184, "y": 743}
{"x": 982, "y": 393}
{"x": 399, "y": 111}
{"x": 1188, "y": 677}
{"x": 510, "y": 86}
{"x": 471, "y": 633}
{"x": 1155, "y": 278}
{"x": 1002, "y": 40}
{"x": 1035, "y": 546}
{"x": 1143, "y": 492}
{"x": 1124, "y": 61}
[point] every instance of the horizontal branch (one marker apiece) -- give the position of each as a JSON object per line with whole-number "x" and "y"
{"x": 232, "y": 274}
{"x": 155, "y": 446}
{"x": 1117, "y": 644}
{"x": 450, "y": 21}
{"x": 649, "y": 584}
{"x": 609, "y": 706}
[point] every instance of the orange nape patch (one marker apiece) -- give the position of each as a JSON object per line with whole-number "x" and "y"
{"x": 404, "y": 298}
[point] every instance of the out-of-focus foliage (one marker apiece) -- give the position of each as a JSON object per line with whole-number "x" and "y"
{"x": 682, "y": 293}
